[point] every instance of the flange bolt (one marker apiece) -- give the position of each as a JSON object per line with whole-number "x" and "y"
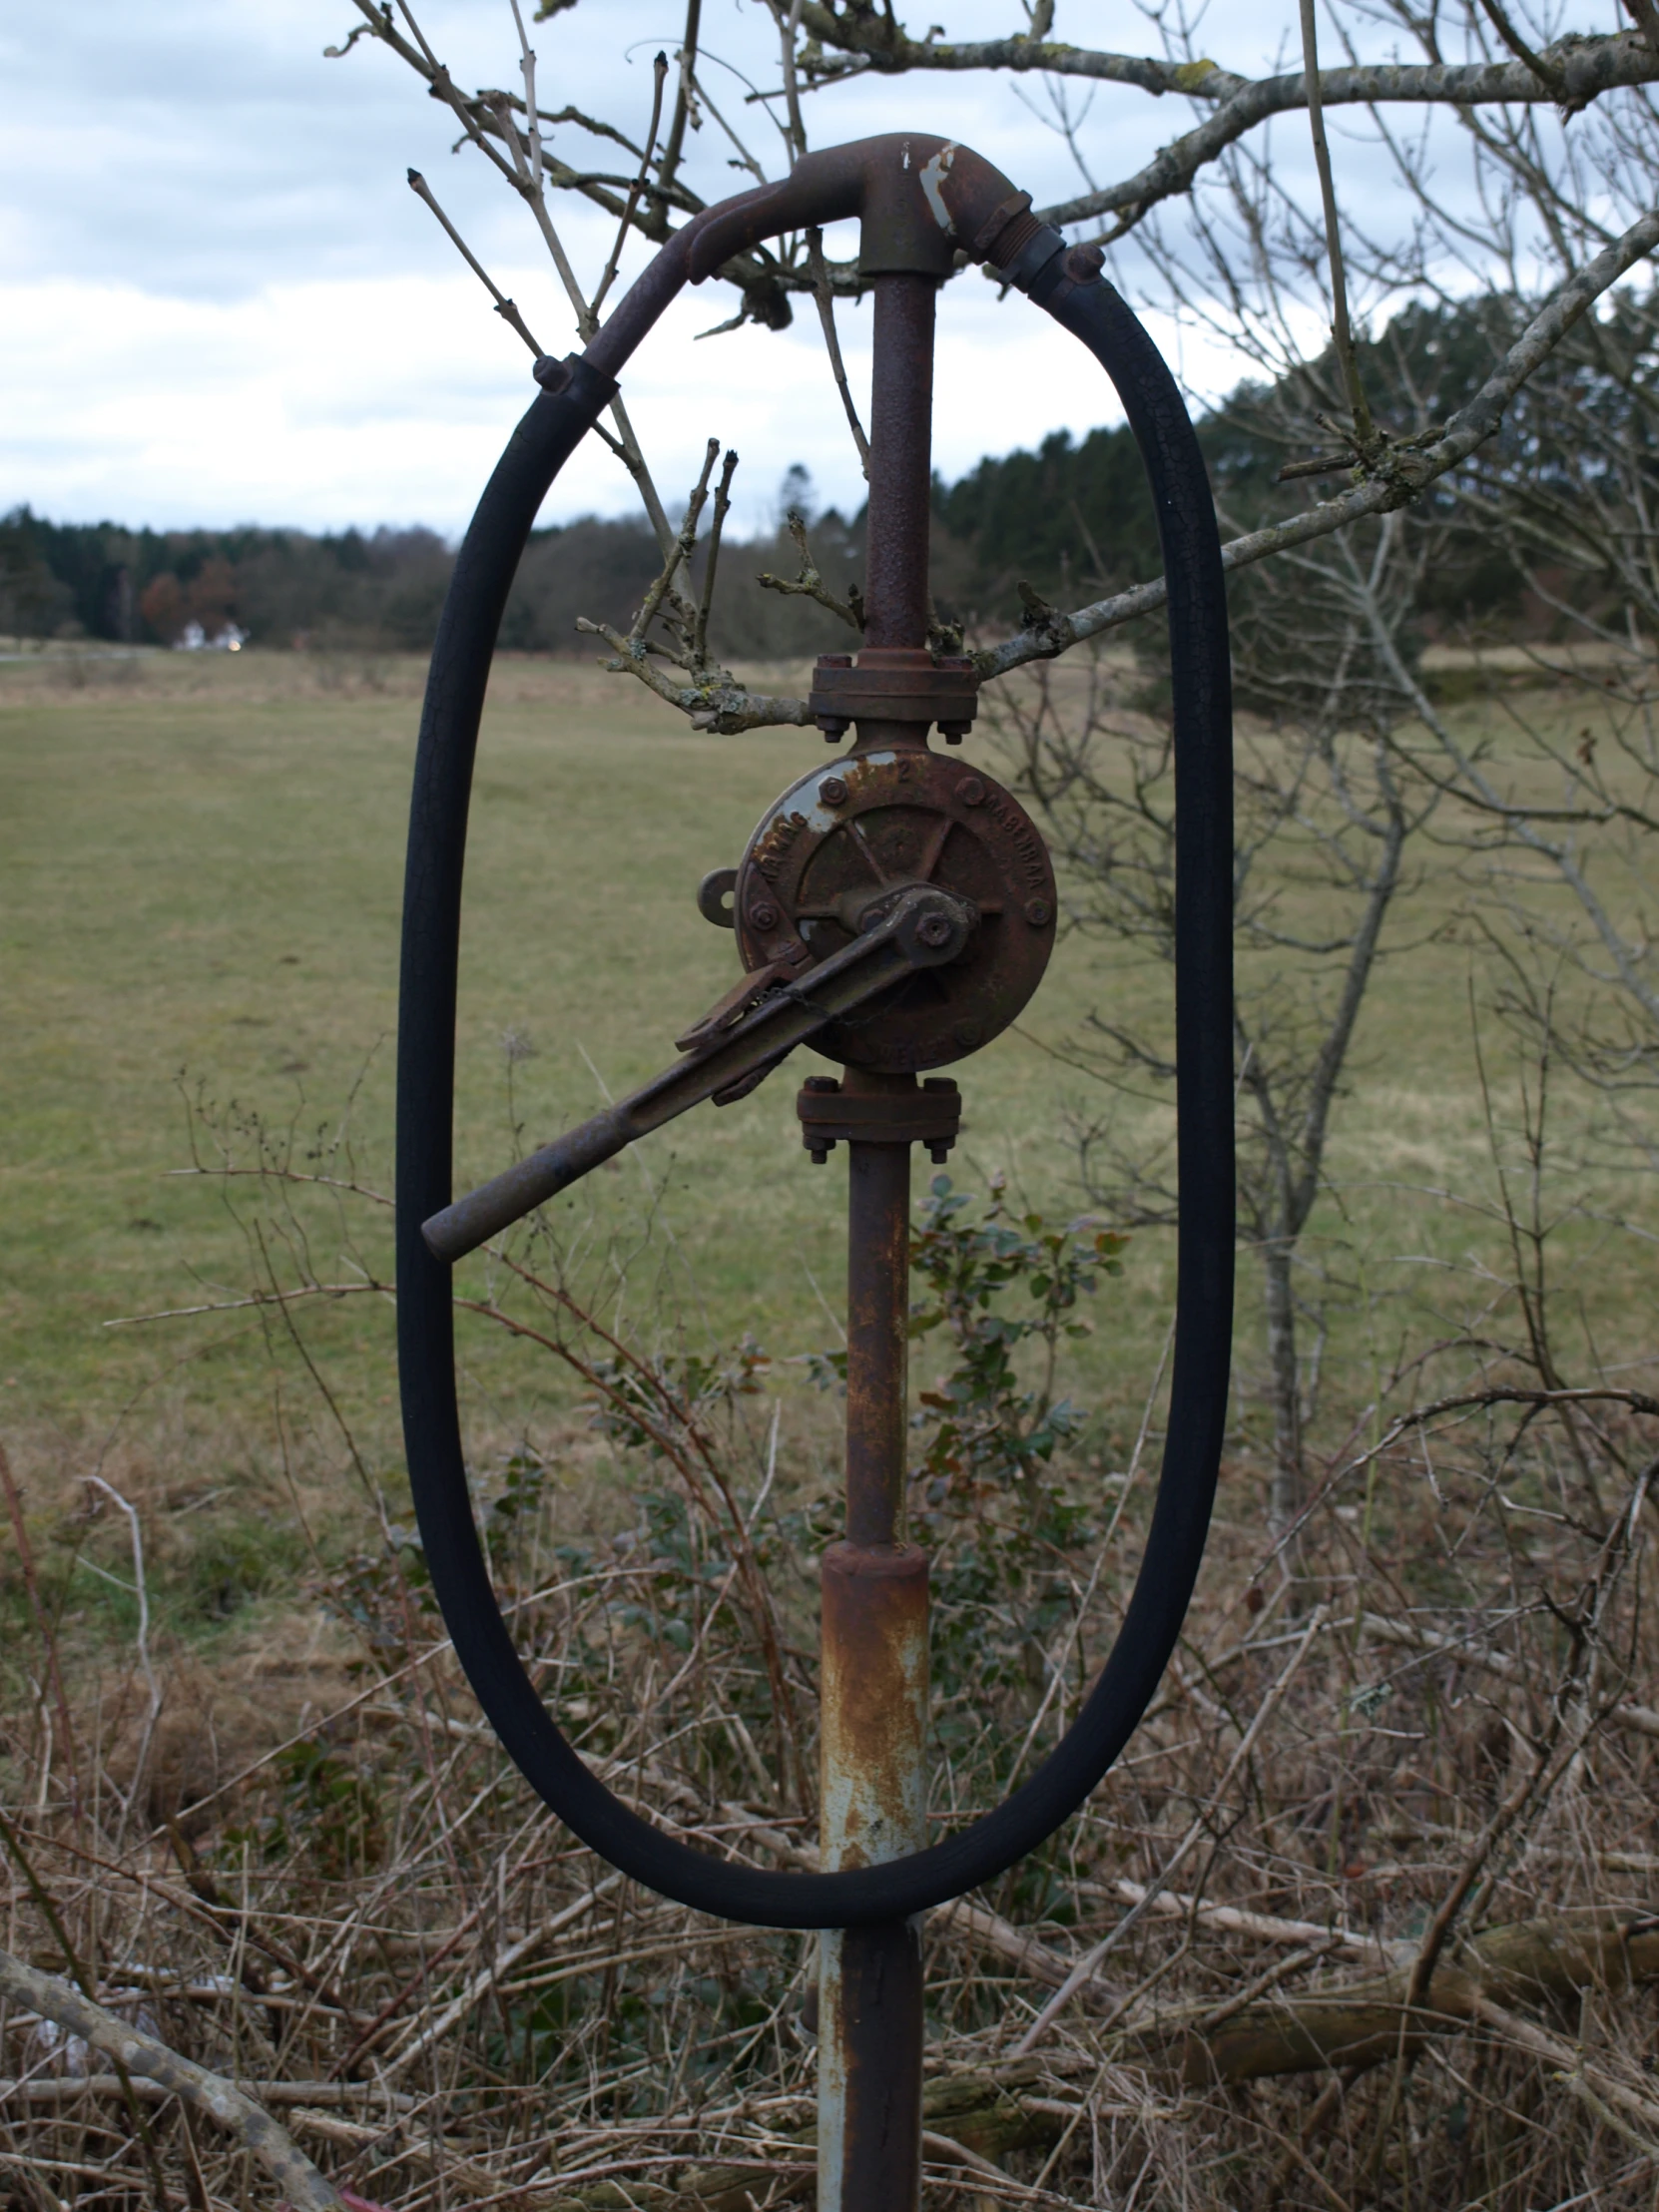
{"x": 824, "y": 1086}
{"x": 970, "y": 790}
{"x": 938, "y": 1149}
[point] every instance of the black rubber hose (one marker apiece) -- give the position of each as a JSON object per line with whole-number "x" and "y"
{"x": 1204, "y": 1094}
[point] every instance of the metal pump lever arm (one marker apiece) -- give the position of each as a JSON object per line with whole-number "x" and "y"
{"x": 924, "y": 929}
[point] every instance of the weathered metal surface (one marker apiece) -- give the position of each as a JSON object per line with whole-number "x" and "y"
{"x": 877, "y": 1282}
{"x": 894, "y": 683}
{"x": 922, "y": 928}
{"x": 714, "y": 897}
{"x": 900, "y": 462}
{"x": 920, "y": 199}
{"x": 874, "y": 1700}
{"x": 874, "y": 1808}
{"x": 848, "y": 836}
{"x": 870, "y": 2032}
{"x": 928, "y": 1113}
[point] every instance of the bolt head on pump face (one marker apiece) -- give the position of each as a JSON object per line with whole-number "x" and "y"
{"x": 841, "y": 845}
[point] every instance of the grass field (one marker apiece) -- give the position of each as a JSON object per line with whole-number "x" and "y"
{"x": 202, "y": 888}
{"x": 1449, "y": 1677}
{"x": 201, "y": 863}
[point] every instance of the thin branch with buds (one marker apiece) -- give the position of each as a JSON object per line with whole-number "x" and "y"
{"x": 1342, "y": 332}
{"x": 504, "y": 307}
{"x": 684, "y": 635}
{"x": 825, "y": 300}
{"x": 810, "y": 583}
{"x": 659, "y": 76}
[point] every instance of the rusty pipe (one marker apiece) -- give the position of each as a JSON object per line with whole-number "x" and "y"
{"x": 877, "y": 1275}
{"x": 874, "y": 1807}
{"x": 900, "y": 463}
{"x": 922, "y": 202}
{"x": 872, "y": 1696}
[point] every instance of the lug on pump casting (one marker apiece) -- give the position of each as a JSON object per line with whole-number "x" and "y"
{"x": 895, "y": 910}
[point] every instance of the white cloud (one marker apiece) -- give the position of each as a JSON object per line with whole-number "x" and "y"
{"x": 221, "y": 302}
{"x": 389, "y": 399}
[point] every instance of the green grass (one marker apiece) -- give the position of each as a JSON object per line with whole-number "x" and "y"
{"x": 202, "y": 880}
{"x": 205, "y": 887}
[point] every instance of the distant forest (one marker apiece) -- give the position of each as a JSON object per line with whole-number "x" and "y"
{"x": 1070, "y": 520}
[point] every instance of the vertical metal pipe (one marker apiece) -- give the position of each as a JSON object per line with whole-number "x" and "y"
{"x": 873, "y": 1693}
{"x": 877, "y": 1275}
{"x": 874, "y": 1716}
{"x": 870, "y": 2011}
{"x": 900, "y": 462}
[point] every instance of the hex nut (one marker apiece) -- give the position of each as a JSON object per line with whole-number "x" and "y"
{"x": 934, "y": 929}
{"x": 970, "y": 790}
{"x": 1036, "y": 912}
{"x": 765, "y": 916}
{"x": 833, "y": 791}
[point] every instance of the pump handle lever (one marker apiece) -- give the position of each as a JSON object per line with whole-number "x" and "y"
{"x": 925, "y": 928}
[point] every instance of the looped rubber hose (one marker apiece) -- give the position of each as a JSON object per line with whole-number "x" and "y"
{"x": 1201, "y": 675}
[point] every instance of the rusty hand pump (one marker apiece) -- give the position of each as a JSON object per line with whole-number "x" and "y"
{"x": 893, "y": 911}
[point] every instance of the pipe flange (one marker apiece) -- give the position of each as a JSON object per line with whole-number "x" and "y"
{"x": 930, "y": 1115}
{"x": 894, "y": 683}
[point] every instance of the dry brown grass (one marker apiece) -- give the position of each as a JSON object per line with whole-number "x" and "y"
{"x": 1393, "y": 1814}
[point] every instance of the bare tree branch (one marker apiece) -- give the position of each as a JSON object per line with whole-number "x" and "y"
{"x": 504, "y": 307}
{"x": 1403, "y": 471}
{"x": 1584, "y": 68}
{"x": 1365, "y": 434}
{"x": 203, "y": 2091}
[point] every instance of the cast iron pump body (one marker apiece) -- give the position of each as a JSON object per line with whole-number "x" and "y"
{"x": 895, "y": 909}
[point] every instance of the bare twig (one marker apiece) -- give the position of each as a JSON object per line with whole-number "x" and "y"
{"x": 504, "y": 307}
{"x": 810, "y": 583}
{"x": 831, "y": 344}
{"x": 433, "y": 2031}
{"x": 43, "y": 1626}
{"x": 1090, "y": 1961}
{"x": 1365, "y": 432}
{"x": 659, "y": 77}
{"x": 139, "y": 2053}
{"x": 711, "y": 557}
{"x": 673, "y": 144}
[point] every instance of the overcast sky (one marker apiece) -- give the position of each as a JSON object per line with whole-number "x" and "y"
{"x": 221, "y": 302}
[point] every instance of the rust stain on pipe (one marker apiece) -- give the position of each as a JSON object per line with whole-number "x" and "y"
{"x": 874, "y": 1808}
{"x": 874, "y": 1702}
{"x": 900, "y": 461}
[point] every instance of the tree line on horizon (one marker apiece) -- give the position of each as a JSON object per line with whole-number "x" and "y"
{"x": 1062, "y": 521}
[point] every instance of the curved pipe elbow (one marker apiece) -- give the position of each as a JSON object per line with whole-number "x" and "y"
{"x": 921, "y": 201}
